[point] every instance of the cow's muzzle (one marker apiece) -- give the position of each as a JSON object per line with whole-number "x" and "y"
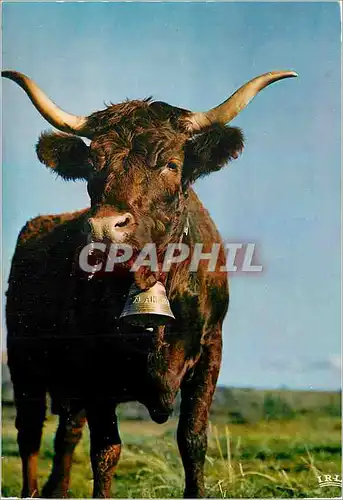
{"x": 112, "y": 229}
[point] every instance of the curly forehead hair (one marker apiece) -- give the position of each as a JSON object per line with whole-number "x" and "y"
{"x": 139, "y": 115}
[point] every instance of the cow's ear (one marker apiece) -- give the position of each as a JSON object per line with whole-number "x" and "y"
{"x": 66, "y": 154}
{"x": 211, "y": 150}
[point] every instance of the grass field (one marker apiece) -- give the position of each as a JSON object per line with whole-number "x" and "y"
{"x": 265, "y": 459}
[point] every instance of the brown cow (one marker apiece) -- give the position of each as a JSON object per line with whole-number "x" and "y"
{"x": 64, "y": 332}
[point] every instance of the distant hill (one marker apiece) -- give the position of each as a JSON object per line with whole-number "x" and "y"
{"x": 236, "y": 404}
{"x": 240, "y": 405}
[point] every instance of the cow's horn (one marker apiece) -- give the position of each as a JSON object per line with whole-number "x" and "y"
{"x": 230, "y": 108}
{"x": 47, "y": 108}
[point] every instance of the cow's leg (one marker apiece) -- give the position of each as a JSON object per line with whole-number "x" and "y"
{"x": 31, "y": 407}
{"x": 68, "y": 434}
{"x": 105, "y": 445}
{"x": 196, "y": 394}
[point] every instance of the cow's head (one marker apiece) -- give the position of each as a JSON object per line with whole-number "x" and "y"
{"x": 142, "y": 158}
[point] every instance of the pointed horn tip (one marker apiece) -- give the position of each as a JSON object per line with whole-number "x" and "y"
{"x": 285, "y": 74}
{"x": 7, "y": 72}
{"x": 292, "y": 74}
{"x": 12, "y": 75}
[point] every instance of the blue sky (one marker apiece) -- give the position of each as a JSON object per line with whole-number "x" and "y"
{"x": 283, "y": 327}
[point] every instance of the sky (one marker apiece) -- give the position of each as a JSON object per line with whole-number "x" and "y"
{"x": 283, "y": 193}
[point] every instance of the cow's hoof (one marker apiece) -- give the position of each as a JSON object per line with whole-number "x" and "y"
{"x": 49, "y": 492}
{"x": 30, "y": 494}
{"x": 193, "y": 493}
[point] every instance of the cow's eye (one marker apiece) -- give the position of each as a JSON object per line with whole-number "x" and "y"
{"x": 172, "y": 165}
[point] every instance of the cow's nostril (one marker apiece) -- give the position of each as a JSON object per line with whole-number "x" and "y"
{"x": 123, "y": 221}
